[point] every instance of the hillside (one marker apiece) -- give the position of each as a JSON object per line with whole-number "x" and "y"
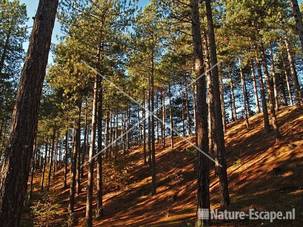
{"x": 263, "y": 173}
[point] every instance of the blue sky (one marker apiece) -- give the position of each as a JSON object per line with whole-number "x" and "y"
{"x": 32, "y": 7}
{"x": 31, "y": 11}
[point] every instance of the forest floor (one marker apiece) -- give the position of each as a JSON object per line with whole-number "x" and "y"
{"x": 264, "y": 174}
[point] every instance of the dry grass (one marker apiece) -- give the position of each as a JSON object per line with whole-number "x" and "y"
{"x": 263, "y": 173}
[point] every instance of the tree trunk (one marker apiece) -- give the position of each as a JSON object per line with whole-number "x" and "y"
{"x": 33, "y": 170}
{"x": 2, "y": 132}
{"x": 298, "y": 93}
{"x": 171, "y": 116}
{"x": 270, "y": 89}
{"x": 18, "y": 153}
{"x": 144, "y": 130}
{"x": 298, "y": 18}
{"x": 233, "y": 99}
{"x": 255, "y": 87}
{"x": 66, "y": 160}
{"x": 222, "y": 100}
{"x": 85, "y": 144}
{"x": 107, "y": 134}
{"x": 55, "y": 157}
{"x": 149, "y": 125}
{"x": 188, "y": 117}
{"x": 5, "y": 47}
{"x": 201, "y": 108}
{"x": 123, "y": 130}
{"x": 216, "y": 113}
{"x": 99, "y": 157}
{"x": 140, "y": 137}
{"x": 73, "y": 170}
{"x": 287, "y": 80}
{"x": 244, "y": 93}
{"x": 208, "y": 71}
{"x": 116, "y": 136}
{"x": 163, "y": 126}
{"x": 207, "y": 66}
{"x": 90, "y": 177}
{"x": 44, "y": 167}
{"x": 51, "y": 158}
{"x": 194, "y": 91}
{"x": 284, "y": 92}
{"x": 159, "y": 120}
{"x": 60, "y": 158}
{"x": 78, "y": 151}
{"x": 128, "y": 134}
{"x": 263, "y": 96}
{"x": 274, "y": 79}
{"x": 111, "y": 136}
{"x": 153, "y": 155}
{"x": 183, "y": 114}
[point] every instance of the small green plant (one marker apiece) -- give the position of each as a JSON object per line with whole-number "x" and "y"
{"x": 191, "y": 151}
{"x": 44, "y": 211}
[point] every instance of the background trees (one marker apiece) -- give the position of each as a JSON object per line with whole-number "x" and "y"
{"x": 12, "y": 35}
{"x": 18, "y": 152}
{"x": 124, "y": 76}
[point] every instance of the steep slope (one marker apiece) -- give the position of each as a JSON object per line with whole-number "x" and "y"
{"x": 264, "y": 174}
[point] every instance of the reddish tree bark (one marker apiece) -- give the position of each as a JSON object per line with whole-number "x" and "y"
{"x": 215, "y": 110}
{"x": 18, "y": 153}
{"x": 201, "y": 110}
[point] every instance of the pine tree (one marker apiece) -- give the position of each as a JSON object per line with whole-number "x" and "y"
{"x": 298, "y": 17}
{"x": 12, "y": 35}
{"x": 201, "y": 115}
{"x": 216, "y": 113}
{"x": 18, "y": 153}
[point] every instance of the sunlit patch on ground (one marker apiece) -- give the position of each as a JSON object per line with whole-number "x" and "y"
{"x": 263, "y": 174}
